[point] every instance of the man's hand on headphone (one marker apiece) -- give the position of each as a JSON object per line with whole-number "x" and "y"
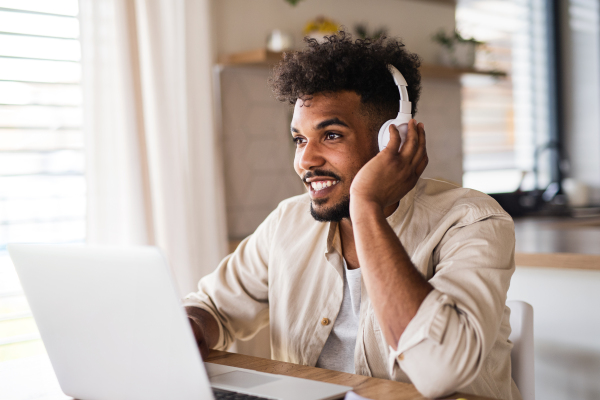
{"x": 391, "y": 174}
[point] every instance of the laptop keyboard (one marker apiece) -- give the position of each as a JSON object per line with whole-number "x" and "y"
{"x": 221, "y": 394}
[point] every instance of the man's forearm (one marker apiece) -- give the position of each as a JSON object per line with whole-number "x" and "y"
{"x": 206, "y": 323}
{"x": 394, "y": 285}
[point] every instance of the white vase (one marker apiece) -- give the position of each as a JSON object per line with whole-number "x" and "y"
{"x": 279, "y": 41}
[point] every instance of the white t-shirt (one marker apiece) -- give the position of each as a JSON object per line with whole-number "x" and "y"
{"x": 338, "y": 352}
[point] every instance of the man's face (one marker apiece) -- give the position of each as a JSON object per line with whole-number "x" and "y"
{"x": 333, "y": 142}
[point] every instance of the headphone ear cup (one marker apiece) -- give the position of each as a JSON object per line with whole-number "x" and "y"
{"x": 384, "y": 134}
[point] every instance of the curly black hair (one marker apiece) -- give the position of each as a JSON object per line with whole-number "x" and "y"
{"x": 341, "y": 64}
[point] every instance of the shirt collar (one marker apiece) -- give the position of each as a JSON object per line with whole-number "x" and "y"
{"x": 402, "y": 209}
{"x": 334, "y": 241}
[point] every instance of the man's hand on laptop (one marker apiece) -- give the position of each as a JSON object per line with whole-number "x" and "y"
{"x": 205, "y": 328}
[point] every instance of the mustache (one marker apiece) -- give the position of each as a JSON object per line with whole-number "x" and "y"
{"x": 320, "y": 172}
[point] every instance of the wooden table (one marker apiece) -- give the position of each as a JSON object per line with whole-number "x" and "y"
{"x": 371, "y": 388}
{"x": 33, "y": 378}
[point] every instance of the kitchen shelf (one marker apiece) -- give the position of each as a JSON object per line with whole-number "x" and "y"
{"x": 266, "y": 58}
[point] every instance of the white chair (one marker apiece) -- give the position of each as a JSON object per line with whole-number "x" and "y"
{"x": 521, "y": 322}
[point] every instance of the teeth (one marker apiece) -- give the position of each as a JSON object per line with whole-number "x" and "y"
{"x": 322, "y": 185}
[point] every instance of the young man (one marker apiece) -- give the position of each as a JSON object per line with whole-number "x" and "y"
{"x": 374, "y": 271}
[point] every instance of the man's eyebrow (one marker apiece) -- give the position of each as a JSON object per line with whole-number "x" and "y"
{"x": 324, "y": 124}
{"x": 329, "y": 122}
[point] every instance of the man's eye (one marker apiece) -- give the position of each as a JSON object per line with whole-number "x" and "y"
{"x": 331, "y": 136}
{"x": 298, "y": 140}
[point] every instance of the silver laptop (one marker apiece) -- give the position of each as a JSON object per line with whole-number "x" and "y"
{"x": 114, "y": 328}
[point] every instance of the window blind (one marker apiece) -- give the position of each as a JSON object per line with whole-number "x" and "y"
{"x": 505, "y": 120}
{"x": 42, "y": 184}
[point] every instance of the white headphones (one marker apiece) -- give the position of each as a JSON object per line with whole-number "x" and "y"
{"x": 404, "y": 115}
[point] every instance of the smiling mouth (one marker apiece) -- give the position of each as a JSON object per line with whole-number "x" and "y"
{"x": 317, "y": 186}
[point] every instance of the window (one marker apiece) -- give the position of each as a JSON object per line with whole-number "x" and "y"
{"x": 582, "y": 95}
{"x": 506, "y": 122}
{"x": 42, "y": 186}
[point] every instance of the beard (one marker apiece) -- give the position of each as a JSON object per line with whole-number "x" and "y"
{"x": 335, "y": 213}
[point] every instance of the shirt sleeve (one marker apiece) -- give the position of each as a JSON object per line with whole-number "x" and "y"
{"x": 443, "y": 347}
{"x": 236, "y": 293}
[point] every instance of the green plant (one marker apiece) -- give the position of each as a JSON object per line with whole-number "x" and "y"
{"x": 362, "y": 31}
{"x": 448, "y": 40}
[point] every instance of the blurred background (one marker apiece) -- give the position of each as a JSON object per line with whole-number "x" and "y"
{"x": 150, "y": 122}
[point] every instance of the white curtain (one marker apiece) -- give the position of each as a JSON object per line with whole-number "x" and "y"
{"x": 153, "y": 164}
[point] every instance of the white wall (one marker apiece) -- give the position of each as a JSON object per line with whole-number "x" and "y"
{"x": 257, "y": 149}
{"x": 566, "y": 306}
{"x": 439, "y": 110}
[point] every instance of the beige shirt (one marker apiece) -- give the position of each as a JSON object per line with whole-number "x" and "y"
{"x": 289, "y": 275}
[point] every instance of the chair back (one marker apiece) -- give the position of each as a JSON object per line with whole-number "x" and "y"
{"x": 521, "y": 322}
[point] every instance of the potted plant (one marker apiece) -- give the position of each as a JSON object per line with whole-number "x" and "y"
{"x": 363, "y": 32}
{"x": 455, "y": 50}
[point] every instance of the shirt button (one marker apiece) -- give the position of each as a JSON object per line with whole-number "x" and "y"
{"x": 401, "y": 356}
{"x": 325, "y": 321}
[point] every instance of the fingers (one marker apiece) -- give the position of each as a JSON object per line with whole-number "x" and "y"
{"x": 412, "y": 141}
{"x": 422, "y": 165}
{"x": 422, "y": 146}
{"x": 414, "y": 150}
{"x": 394, "y": 143}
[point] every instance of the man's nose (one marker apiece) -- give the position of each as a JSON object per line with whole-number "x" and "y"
{"x": 311, "y": 156}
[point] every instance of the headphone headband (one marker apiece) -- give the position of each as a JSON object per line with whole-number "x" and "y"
{"x": 398, "y": 77}
{"x": 405, "y": 106}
